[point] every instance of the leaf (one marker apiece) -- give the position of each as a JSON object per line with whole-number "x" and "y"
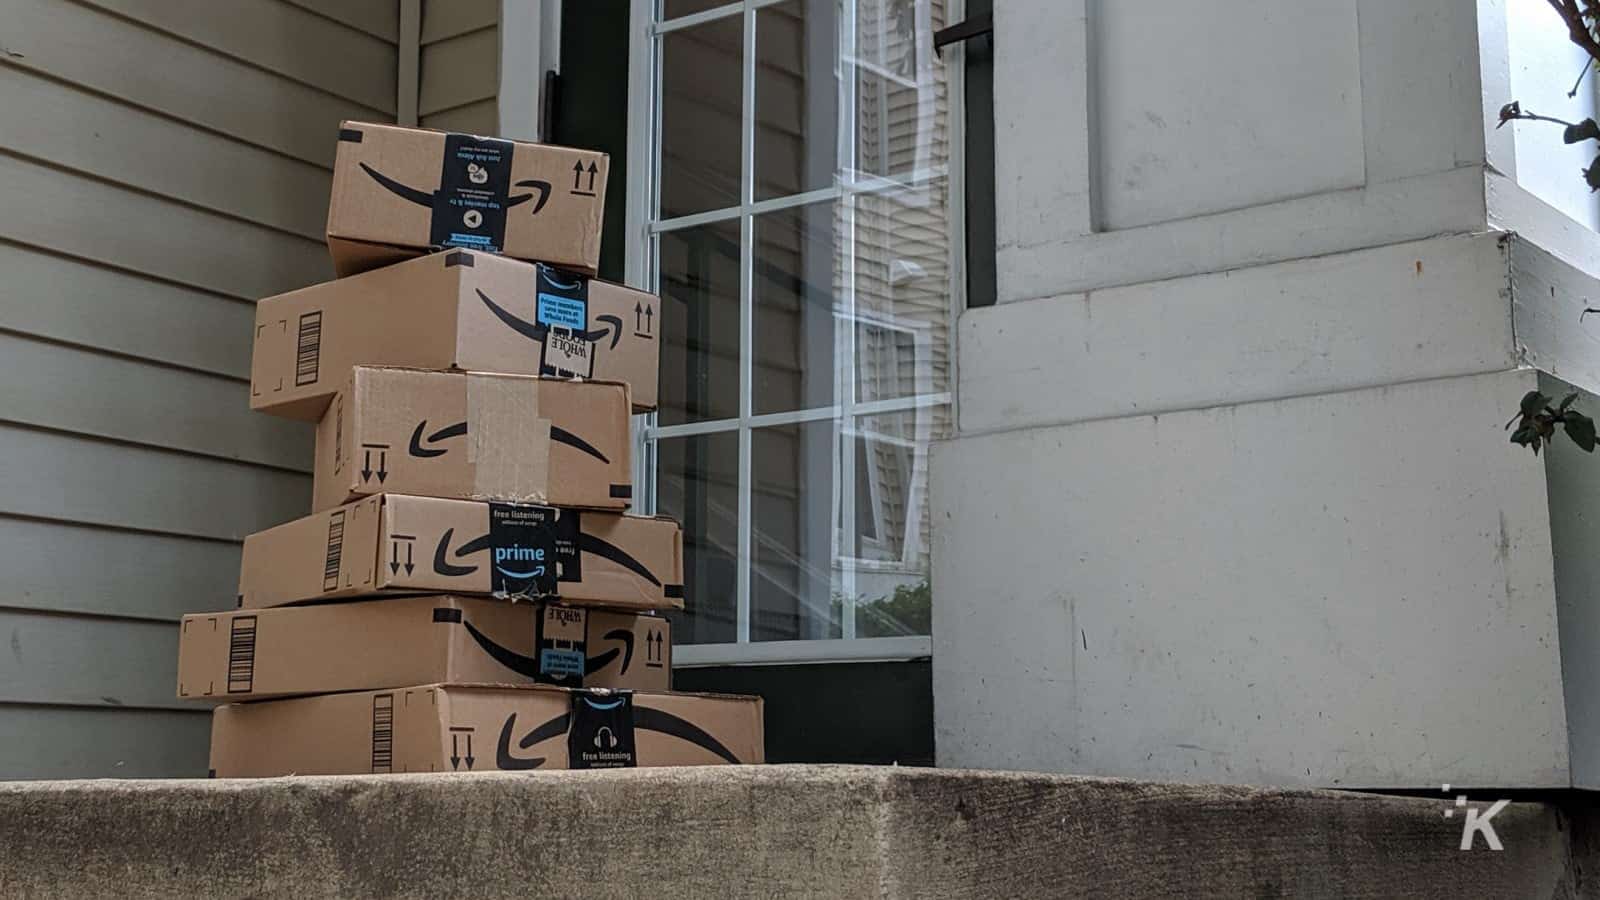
{"x": 1532, "y": 402}
{"x": 1567, "y": 401}
{"x": 1581, "y": 429}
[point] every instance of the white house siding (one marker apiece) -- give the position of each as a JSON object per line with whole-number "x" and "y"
{"x": 163, "y": 167}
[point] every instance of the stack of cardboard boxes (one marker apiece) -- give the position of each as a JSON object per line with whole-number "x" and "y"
{"x": 469, "y": 592}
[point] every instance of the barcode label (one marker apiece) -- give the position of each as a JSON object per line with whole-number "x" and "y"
{"x": 330, "y": 566}
{"x": 308, "y": 348}
{"x": 383, "y": 733}
{"x": 242, "y": 655}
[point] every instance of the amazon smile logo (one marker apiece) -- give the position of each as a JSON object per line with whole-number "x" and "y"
{"x": 423, "y": 198}
{"x": 529, "y": 666}
{"x": 513, "y": 561}
{"x": 424, "y": 447}
{"x": 644, "y": 719}
{"x": 538, "y": 331}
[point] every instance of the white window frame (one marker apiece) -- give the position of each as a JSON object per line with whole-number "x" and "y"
{"x": 642, "y": 271}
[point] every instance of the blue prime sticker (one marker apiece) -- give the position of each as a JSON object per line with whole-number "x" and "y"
{"x": 561, "y": 663}
{"x": 563, "y": 311}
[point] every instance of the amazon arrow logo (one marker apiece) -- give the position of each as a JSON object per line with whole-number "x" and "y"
{"x": 423, "y": 198}
{"x": 536, "y": 331}
{"x": 529, "y": 666}
{"x": 421, "y": 452}
{"x": 644, "y": 719}
{"x": 423, "y": 448}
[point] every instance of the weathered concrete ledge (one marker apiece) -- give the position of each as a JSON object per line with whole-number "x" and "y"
{"x": 779, "y": 831}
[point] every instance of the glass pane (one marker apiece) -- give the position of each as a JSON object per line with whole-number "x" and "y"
{"x": 671, "y": 9}
{"x": 792, "y": 582}
{"x": 797, "y": 97}
{"x": 701, "y": 110}
{"x": 900, "y": 89}
{"x": 698, "y": 484}
{"x": 796, "y": 274}
{"x": 903, "y": 297}
{"x": 700, "y": 323}
{"x": 888, "y": 533}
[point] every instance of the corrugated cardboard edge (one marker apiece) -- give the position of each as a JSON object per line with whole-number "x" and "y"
{"x": 508, "y": 442}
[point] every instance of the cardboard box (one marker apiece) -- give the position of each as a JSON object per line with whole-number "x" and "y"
{"x": 475, "y": 436}
{"x": 445, "y": 728}
{"x": 454, "y": 310}
{"x": 393, "y": 543}
{"x": 395, "y": 642}
{"x": 398, "y": 192}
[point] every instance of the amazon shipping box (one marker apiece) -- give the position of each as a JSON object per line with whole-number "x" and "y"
{"x": 454, "y": 310}
{"x": 398, "y": 543}
{"x": 398, "y": 192}
{"x": 395, "y": 642}
{"x": 475, "y": 436}
{"x": 476, "y": 727}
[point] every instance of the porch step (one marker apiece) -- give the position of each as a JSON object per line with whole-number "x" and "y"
{"x": 776, "y": 831}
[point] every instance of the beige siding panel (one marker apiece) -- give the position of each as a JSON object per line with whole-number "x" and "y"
{"x": 45, "y": 120}
{"x": 121, "y": 59}
{"x": 482, "y": 117}
{"x": 65, "y": 389}
{"x": 70, "y": 301}
{"x": 60, "y": 477}
{"x": 443, "y": 19}
{"x": 80, "y": 742}
{"x": 379, "y": 18}
{"x": 87, "y": 661}
{"x": 280, "y": 38}
{"x": 153, "y": 576}
{"x": 56, "y": 210}
{"x": 459, "y": 71}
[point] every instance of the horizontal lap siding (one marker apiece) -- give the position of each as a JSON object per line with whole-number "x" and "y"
{"x": 165, "y": 164}
{"x": 460, "y": 66}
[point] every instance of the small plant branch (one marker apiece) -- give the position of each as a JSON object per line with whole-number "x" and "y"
{"x": 1513, "y": 111}
{"x": 1536, "y": 423}
{"x": 1582, "y": 73}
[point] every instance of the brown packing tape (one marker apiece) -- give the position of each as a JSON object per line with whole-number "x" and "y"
{"x": 508, "y": 443}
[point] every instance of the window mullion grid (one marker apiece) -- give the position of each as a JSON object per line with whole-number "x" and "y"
{"x": 846, "y": 483}
{"x": 746, "y": 318}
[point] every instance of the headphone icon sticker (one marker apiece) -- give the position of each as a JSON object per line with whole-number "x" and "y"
{"x": 604, "y": 739}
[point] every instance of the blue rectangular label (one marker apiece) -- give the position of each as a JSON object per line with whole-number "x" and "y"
{"x": 561, "y": 663}
{"x": 563, "y": 311}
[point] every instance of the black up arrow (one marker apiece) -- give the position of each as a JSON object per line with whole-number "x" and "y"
{"x": 638, "y": 316}
{"x": 394, "y": 557}
{"x": 383, "y": 465}
{"x": 577, "y": 176}
{"x": 409, "y": 566}
{"x": 366, "y": 465}
{"x": 649, "y": 317}
{"x": 593, "y": 171}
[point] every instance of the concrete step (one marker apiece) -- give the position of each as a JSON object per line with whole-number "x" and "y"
{"x": 776, "y": 831}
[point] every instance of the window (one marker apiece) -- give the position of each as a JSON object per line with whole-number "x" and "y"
{"x": 802, "y": 227}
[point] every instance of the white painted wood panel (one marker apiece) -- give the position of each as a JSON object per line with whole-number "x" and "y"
{"x": 60, "y": 477}
{"x": 1206, "y": 108}
{"x": 83, "y": 392}
{"x": 134, "y": 574}
{"x": 65, "y": 300}
{"x": 286, "y": 40}
{"x": 1308, "y": 326}
{"x": 113, "y": 56}
{"x": 46, "y": 121}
